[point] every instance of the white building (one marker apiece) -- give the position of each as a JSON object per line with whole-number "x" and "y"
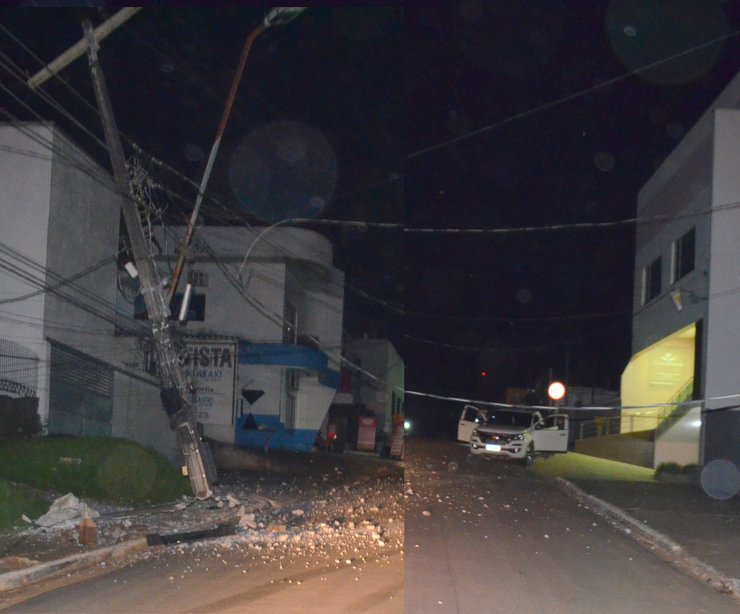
{"x": 686, "y": 322}
{"x": 271, "y": 299}
{"x": 372, "y": 386}
{"x": 58, "y": 320}
{"x": 69, "y": 338}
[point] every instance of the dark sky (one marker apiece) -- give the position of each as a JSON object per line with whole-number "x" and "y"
{"x": 316, "y": 129}
{"x": 371, "y": 98}
{"x": 558, "y": 299}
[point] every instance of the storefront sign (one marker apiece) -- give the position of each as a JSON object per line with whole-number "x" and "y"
{"x": 210, "y": 366}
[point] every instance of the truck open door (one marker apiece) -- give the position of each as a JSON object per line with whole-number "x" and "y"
{"x": 470, "y": 417}
{"x": 551, "y": 434}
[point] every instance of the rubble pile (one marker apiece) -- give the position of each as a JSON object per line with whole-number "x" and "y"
{"x": 333, "y": 515}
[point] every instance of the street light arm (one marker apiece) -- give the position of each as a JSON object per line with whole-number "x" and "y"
{"x": 279, "y": 16}
{"x": 276, "y": 17}
{"x": 211, "y": 159}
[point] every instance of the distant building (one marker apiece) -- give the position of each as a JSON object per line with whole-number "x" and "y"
{"x": 262, "y": 340}
{"x": 686, "y": 315}
{"x": 372, "y": 386}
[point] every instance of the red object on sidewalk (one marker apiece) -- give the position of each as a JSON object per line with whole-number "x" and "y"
{"x": 366, "y": 433}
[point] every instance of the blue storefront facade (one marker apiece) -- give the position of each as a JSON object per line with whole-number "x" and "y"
{"x": 285, "y": 392}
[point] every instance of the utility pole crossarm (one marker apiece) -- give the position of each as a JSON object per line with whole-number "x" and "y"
{"x": 79, "y": 48}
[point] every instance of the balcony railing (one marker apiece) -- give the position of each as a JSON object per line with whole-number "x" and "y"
{"x": 659, "y": 420}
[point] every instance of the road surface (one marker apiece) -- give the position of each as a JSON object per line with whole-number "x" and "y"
{"x": 493, "y": 537}
{"x": 333, "y": 543}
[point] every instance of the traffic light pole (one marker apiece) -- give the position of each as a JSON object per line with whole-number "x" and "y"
{"x": 174, "y": 391}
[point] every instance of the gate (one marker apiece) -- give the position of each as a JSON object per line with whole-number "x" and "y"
{"x": 81, "y": 394}
{"x": 19, "y": 370}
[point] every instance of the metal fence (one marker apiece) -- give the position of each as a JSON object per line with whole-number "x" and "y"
{"x": 19, "y": 369}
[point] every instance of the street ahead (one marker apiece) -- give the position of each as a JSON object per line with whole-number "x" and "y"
{"x": 493, "y": 537}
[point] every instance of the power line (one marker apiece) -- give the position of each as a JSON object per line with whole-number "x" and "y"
{"x": 569, "y": 97}
{"x": 587, "y": 408}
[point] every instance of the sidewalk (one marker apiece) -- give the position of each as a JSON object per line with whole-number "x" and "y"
{"x": 265, "y": 486}
{"x": 698, "y": 534}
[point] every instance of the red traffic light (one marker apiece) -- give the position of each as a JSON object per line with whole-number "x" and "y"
{"x": 484, "y": 373}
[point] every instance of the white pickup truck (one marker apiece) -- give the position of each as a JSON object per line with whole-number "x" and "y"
{"x": 512, "y": 433}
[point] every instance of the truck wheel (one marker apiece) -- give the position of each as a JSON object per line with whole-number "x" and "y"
{"x": 529, "y": 456}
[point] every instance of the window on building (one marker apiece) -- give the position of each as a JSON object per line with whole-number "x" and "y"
{"x": 651, "y": 280}
{"x": 292, "y": 379}
{"x": 683, "y": 255}
{"x": 198, "y": 279}
{"x": 290, "y": 324}
{"x": 196, "y": 309}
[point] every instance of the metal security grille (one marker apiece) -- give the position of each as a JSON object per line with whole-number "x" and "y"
{"x": 80, "y": 371}
{"x": 19, "y": 369}
{"x": 81, "y": 394}
{"x": 198, "y": 279}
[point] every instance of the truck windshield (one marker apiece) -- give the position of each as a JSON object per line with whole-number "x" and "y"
{"x": 510, "y": 418}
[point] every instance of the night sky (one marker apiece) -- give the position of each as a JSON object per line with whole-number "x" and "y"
{"x": 461, "y": 115}
{"x": 498, "y": 82}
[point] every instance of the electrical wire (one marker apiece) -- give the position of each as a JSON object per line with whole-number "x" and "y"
{"x": 529, "y": 228}
{"x": 569, "y": 97}
{"x": 580, "y": 408}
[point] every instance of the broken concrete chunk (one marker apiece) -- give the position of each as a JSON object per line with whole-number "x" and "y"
{"x": 65, "y": 513}
{"x": 247, "y": 521}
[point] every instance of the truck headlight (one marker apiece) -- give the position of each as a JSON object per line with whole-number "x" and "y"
{"x": 517, "y": 437}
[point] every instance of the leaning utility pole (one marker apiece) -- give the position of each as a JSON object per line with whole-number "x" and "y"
{"x": 175, "y": 389}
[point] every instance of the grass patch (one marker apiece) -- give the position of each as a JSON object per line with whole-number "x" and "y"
{"x": 105, "y": 469}
{"x": 15, "y": 500}
{"x": 581, "y": 466}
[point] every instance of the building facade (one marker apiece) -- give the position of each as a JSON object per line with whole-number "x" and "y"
{"x": 263, "y": 331}
{"x": 686, "y": 313}
{"x": 372, "y": 387}
{"x": 261, "y": 335}
{"x": 59, "y": 327}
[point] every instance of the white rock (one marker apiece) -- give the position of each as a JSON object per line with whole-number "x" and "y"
{"x": 247, "y": 521}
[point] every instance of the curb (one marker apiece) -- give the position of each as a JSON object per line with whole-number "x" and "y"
{"x": 53, "y": 569}
{"x": 665, "y": 547}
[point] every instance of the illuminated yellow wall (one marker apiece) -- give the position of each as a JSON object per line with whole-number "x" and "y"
{"x": 656, "y": 375}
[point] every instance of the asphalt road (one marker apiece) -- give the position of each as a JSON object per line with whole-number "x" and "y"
{"x": 493, "y": 537}
{"x": 204, "y": 580}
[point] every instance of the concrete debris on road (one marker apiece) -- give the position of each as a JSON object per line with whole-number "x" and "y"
{"x": 270, "y": 515}
{"x": 65, "y": 513}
